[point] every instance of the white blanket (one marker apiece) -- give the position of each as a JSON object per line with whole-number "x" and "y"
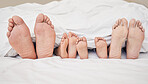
{"x": 90, "y": 18}
{"x": 85, "y": 17}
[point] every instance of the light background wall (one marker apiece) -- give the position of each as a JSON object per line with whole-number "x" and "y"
{"x": 5, "y": 3}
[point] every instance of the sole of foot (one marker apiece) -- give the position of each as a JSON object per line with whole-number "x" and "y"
{"x": 72, "y": 45}
{"x": 20, "y": 39}
{"x": 45, "y": 36}
{"x": 81, "y": 46}
{"x": 62, "y": 49}
{"x": 119, "y": 35}
{"x": 101, "y": 47}
{"x": 135, "y": 39}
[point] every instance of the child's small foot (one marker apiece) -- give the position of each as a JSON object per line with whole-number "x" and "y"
{"x": 62, "y": 49}
{"x": 81, "y": 46}
{"x": 72, "y": 45}
{"x": 101, "y": 47}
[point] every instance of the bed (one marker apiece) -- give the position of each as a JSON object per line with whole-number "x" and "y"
{"x": 54, "y": 70}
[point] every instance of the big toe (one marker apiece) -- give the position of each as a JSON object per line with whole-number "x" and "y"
{"x": 84, "y": 39}
{"x": 70, "y": 34}
{"x": 40, "y": 18}
{"x": 65, "y": 36}
{"x": 17, "y": 20}
{"x": 132, "y": 23}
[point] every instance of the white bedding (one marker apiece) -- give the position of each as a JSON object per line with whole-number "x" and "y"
{"x": 88, "y": 18}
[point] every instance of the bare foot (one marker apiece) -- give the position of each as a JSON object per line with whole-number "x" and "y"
{"x": 119, "y": 35}
{"x": 72, "y": 45}
{"x": 81, "y": 46}
{"x": 20, "y": 38}
{"x": 135, "y": 39}
{"x": 62, "y": 49}
{"x": 101, "y": 47}
{"x": 45, "y": 36}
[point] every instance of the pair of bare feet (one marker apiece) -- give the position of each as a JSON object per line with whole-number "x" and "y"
{"x": 120, "y": 32}
{"x": 20, "y": 39}
{"x": 70, "y": 46}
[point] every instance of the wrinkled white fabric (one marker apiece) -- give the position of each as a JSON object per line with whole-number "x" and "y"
{"x": 90, "y": 18}
{"x": 73, "y": 71}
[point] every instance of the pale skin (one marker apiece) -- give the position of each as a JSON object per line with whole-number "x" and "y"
{"x": 72, "y": 51}
{"x": 20, "y": 39}
{"x": 62, "y": 49}
{"x": 120, "y": 32}
{"x": 81, "y": 46}
{"x": 45, "y": 36}
{"x": 134, "y": 34}
{"x": 101, "y": 47}
{"x": 73, "y": 44}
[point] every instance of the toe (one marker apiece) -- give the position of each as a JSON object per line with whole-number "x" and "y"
{"x": 70, "y": 34}
{"x": 137, "y": 23}
{"x": 140, "y": 27}
{"x": 84, "y": 39}
{"x": 65, "y": 35}
{"x": 10, "y": 20}
{"x": 10, "y": 29}
{"x": 74, "y": 35}
{"x": 132, "y": 23}
{"x": 143, "y": 30}
{"x": 100, "y": 38}
{"x": 8, "y": 34}
{"x": 114, "y": 26}
{"x": 81, "y": 39}
{"x": 119, "y": 22}
{"x": 96, "y": 39}
{"x": 124, "y": 22}
{"x": 49, "y": 22}
{"x": 45, "y": 18}
{"x": 11, "y": 25}
{"x": 78, "y": 39}
{"x": 17, "y": 20}
{"x": 40, "y": 18}
{"x": 52, "y": 26}
{"x": 140, "y": 24}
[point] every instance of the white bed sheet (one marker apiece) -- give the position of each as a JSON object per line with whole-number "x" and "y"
{"x": 55, "y": 70}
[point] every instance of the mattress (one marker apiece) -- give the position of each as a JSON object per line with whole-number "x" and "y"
{"x": 54, "y": 70}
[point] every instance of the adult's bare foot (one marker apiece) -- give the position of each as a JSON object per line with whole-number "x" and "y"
{"x": 81, "y": 46}
{"x": 62, "y": 49}
{"x": 119, "y": 35}
{"x": 101, "y": 47}
{"x": 135, "y": 39}
{"x": 45, "y": 36}
{"x": 20, "y": 38}
{"x": 72, "y": 45}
